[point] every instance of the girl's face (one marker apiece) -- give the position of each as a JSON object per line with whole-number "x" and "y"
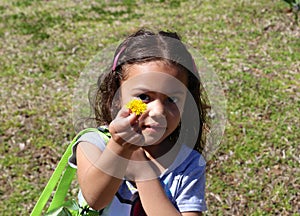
{"x": 163, "y": 88}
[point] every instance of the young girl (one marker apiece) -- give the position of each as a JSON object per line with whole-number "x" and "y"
{"x": 152, "y": 164}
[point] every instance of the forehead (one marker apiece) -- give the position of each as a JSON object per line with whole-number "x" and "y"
{"x": 156, "y": 75}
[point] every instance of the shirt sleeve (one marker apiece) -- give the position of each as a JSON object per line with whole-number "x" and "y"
{"x": 90, "y": 137}
{"x": 191, "y": 192}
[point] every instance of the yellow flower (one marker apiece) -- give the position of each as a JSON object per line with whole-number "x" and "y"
{"x": 137, "y": 106}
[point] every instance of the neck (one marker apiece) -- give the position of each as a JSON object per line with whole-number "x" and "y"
{"x": 158, "y": 150}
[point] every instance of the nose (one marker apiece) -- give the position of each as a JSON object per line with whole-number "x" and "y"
{"x": 156, "y": 108}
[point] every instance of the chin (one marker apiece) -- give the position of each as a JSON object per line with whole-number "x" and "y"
{"x": 154, "y": 140}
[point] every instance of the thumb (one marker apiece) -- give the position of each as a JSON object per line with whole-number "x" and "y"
{"x": 132, "y": 118}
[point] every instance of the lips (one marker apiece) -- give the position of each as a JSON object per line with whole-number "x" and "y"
{"x": 154, "y": 127}
{"x": 153, "y": 132}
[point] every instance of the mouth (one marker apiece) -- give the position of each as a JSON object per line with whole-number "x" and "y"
{"x": 154, "y": 127}
{"x": 153, "y": 132}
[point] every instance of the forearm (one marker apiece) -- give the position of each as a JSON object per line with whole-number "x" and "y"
{"x": 100, "y": 173}
{"x": 154, "y": 200}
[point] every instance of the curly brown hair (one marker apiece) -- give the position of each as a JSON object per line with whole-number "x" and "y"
{"x": 144, "y": 46}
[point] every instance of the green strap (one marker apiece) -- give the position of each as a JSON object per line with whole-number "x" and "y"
{"x": 65, "y": 179}
{"x": 62, "y": 188}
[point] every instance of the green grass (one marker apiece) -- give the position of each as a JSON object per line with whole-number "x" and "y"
{"x": 253, "y": 46}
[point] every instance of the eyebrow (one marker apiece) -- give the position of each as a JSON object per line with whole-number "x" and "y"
{"x": 166, "y": 93}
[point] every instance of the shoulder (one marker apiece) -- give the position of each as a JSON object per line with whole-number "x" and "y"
{"x": 92, "y": 137}
{"x": 95, "y": 136}
{"x": 187, "y": 182}
{"x": 188, "y": 169}
{"x": 192, "y": 162}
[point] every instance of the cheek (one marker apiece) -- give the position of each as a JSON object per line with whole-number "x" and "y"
{"x": 174, "y": 118}
{"x": 124, "y": 96}
{"x": 176, "y": 110}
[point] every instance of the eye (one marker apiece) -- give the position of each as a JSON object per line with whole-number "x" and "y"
{"x": 173, "y": 99}
{"x": 144, "y": 97}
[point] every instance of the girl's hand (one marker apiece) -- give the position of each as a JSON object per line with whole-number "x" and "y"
{"x": 125, "y": 130}
{"x": 140, "y": 167}
{"x": 139, "y": 155}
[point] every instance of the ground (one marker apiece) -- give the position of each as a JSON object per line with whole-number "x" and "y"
{"x": 253, "y": 46}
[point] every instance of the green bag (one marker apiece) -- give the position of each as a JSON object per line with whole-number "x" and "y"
{"x": 63, "y": 175}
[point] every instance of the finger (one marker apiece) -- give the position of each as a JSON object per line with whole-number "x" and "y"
{"x": 133, "y": 119}
{"x": 126, "y": 113}
{"x": 123, "y": 113}
{"x": 136, "y": 139}
{"x": 119, "y": 125}
{"x": 124, "y": 139}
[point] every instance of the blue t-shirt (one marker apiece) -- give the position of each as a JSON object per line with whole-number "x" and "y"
{"x": 184, "y": 184}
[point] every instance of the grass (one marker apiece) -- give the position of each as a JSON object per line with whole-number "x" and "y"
{"x": 253, "y": 46}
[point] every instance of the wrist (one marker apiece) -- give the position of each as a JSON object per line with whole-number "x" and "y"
{"x": 113, "y": 162}
{"x": 124, "y": 151}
